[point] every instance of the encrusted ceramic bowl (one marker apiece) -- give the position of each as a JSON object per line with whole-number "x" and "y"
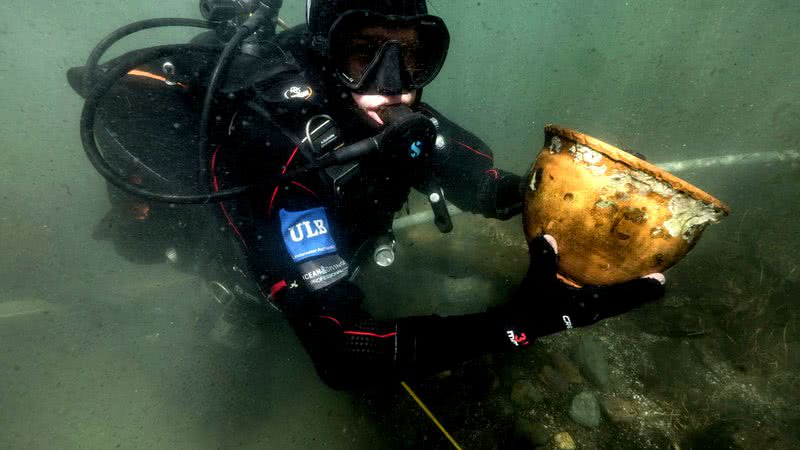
{"x": 615, "y": 216}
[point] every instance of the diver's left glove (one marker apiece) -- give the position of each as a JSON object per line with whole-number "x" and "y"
{"x": 544, "y": 305}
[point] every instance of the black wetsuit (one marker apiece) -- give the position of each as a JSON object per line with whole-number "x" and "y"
{"x": 304, "y": 242}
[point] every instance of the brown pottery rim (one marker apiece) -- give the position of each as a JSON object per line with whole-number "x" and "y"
{"x": 636, "y": 163}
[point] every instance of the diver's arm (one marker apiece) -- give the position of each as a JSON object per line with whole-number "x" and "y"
{"x": 352, "y": 350}
{"x": 464, "y": 167}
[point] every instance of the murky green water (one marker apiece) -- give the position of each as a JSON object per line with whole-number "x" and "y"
{"x": 96, "y": 352}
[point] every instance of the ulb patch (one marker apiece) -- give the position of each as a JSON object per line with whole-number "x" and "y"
{"x": 306, "y": 234}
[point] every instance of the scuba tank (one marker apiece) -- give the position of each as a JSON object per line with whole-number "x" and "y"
{"x": 139, "y": 118}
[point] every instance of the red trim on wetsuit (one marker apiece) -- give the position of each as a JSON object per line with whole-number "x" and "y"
{"x": 272, "y": 200}
{"x": 493, "y": 172}
{"x": 333, "y": 319}
{"x": 360, "y": 333}
{"x": 283, "y": 172}
{"x": 304, "y": 187}
{"x": 289, "y": 161}
{"x": 474, "y": 151}
{"x": 277, "y": 287}
{"x": 216, "y": 189}
{"x": 490, "y": 158}
{"x": 365, "y": 333}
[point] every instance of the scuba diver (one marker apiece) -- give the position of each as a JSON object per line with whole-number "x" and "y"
{"x": 310, "y": 141}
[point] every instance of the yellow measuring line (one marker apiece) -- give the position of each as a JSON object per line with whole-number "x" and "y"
{"x": 430, "y": 414}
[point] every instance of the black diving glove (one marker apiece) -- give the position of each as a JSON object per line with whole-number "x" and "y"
{"x": 501, "y": 196}
{"x": 510, "y": 188}
{"x": 544, "y": 305}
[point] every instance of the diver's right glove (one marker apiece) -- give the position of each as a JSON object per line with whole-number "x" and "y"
{"x": 500, "y": 195}
{"x": 544, "y": 305}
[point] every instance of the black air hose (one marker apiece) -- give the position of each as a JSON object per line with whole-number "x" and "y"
{"x": 111, "y": 39}
{"x": 93, "y": 152}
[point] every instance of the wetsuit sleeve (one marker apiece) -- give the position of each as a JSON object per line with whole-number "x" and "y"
{"x": 352, "y": 350}
{"x": 463, "y": 165}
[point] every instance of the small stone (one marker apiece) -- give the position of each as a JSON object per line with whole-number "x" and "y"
{"x": 524, "y": 393}
{"x": 444, "y": 374}
{"x": 564, "y": 441}
{"x": 619, "y": 410}
{"x": 533, "y": 432}
{"x": 675, "y": 322}
{"x": 567, "y": 368}
{"x": 553, "y": 379}
{"x": 585, "y": 410}
{"x": 591, "y": 357}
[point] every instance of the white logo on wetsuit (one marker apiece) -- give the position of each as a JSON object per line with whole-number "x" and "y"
{"x": 304, "y": 230}
{"x": 307, "y": 234}
{"x": 511, "y": 337}
{"x": 321, "y": 272}
{"x": 567, "y": 321}
{"x": 318, "y": 273}
{"x": 297, "y": 92}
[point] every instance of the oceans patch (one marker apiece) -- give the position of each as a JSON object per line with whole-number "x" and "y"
{"x": 306, "y": 234}
{"x": 322, "y": 272}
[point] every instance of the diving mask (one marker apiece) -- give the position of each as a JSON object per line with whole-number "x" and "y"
{"x": 387, "y": 55}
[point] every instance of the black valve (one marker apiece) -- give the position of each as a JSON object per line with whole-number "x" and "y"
{"x": 223, "y": 10}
